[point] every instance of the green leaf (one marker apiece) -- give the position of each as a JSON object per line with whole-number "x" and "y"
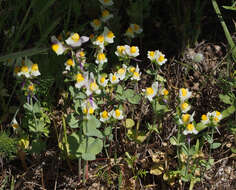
{"x": 92, "y": 131}
{"x": 72, "y": 121}
{"x": 37, "y": 107}
{"x": 225, "y": 98}
{"x": 108, "y": 131}
{"x": 129, "y": 93}
{"x": 88, "y": 156}
{"x": 80, "y": 95}
{"x": 158, "y": 108}
{"x": 135, "y": 99}
{"x": 129, "y": 123}
{"x": 37, "y": 146}
{"x": 93, "y": 122}
{"x": 119, "y": 89}
{"x": 200, "y": 126}
{"x": 215, "y": 145}
{"x": 229, "y": 111}
{"x": 233, "y": 150}
{"x": 229, "y": 8}
{"x": 28, "y": 107}
{"x": 173, "y": 141}
{"x": 197, "y": 146}
{"x": 161, "y": 78}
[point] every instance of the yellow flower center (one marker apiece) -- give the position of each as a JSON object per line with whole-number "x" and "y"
{"x": 55, "y": 47}
{"x": 151, "y": 53}
{"x": 121, "y": 71}
{"x": 93, "y": 86}
{"x": 161, "y": 58}
{"x": 105, "y": 114}
{"x": 165, "y": 92}
{"x": 204, "y": 117}
{"x": 121, "y": 49}
{"x": 24, "y": 69}
{"x": 110, "y": 34}
{"x": 184, "y": 106}
{"x": 85, "y": 110}
{"x": 105, "y": 13}
{"x": 136, "y": 27}
{"x": 75, "y": 37}
{"x": 132, "y": 69}
{"x": 113, "y": 78}
{"x": 70, "y": 62}
{"x": 136, "y": 74}
{"x": 31, "y": 87}
{"x": 183, "y": 91}
{"x": 96, "y": 22}
{"x": 101, "y": 56}
{"x": 35, "y": 67}
{"x": 117, "y": 112}
{"x": 130, "y": 30}
{"x": 133, "y": 49}
{"x": 190, "y": 127}
{"x": 91, "y": 110}
{"x": 102, "y": 79}
{"x": 216, "y": 119}
{"x": 100, "y": 38}
{"x": 81, "y": 54}
{"x": 149, "y": 91}
{"x": 185, "y": 118}
{"x": 218, "y": 113}
{"x": 79, "y": 77}
{"x": 15, "y": 125}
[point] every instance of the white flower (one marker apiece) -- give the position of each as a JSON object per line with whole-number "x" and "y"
{"x": 81, "y": 80}
{"x": 129, "y": 32}
{"x": 25, "y": 71}
{"x": 100, "y": 41}
{"x": 151, "y": 55}
{"x": 104, "y": 116}
{"x": 15, "y": 124}
{"x": 190, "y": 129}
{"x": 91, "y": 86}
{"x": 114, "y": 79}
{"x": 122, "y": 72}
{"x": 132, "y": 51}
{"x": 136, "y": 28}
{"x": 75, "y": 40}
{"x": 135, "y": 74}
{"x": 109, "y": 36}
{"x": 101, "y": 58}
{"x": 34, "y": 71}
{"x": 117, "y": 114}
{"x": 205, "y": 119}
{"x": 217, "y": 116}
{"x": 185, "y": 107}
{"x": 184, "y": 94}
{"x": 69, "y": 63}
{"x": 120, "y": 51}
{"x": 106, "y": 15}
{"x": 186, "y": 118}
{"x": 150, "y": 92}
{"x": 160, "y": 58}
{"x": 106, "y": 3}
{"x": 102, "y": 81}
{"x": 57, "y": 46}
{"x": 131, "y": 69}
{"x": 96, "y": 24}
{"x": 88, "y": 107}
{"x": 164, "y": 92}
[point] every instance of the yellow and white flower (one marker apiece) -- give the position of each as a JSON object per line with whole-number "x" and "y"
{"x": 117, "y": 114}
{"x": 81, "y": 80}
{"x": 15, "y": 124}
{"x": 25, "y": 71}
{"x": 131, "y": 69}
{"x": 160, "y": 58}
{"x": 31, "y": 88}
{"x": 151, "y": 92}
{"x": 57, "y": 46}
{"x": 184, "y": 107}
{"x": 129, "y": 32}
{"x": 80, "y": 56}
{"x": 102, "y": 81}
{"x": 132, "y": 51}
{"x": 104, "y": 116}
{"x": 135, "y": 74}
{"x": 69, "y": 63}
{"x": 75, "y": 40}
{"x": 164, "y": 92}
{"x": 186, "y": 118}
{"x": 100, "y": 41}
{"x": 101, "y": 58}
{"x": 205, "y": 119}
{"x": 96, "y": 24}
{"x": 217, "y": 116}
{"x": 114, "y": 79}
{"x": 136, "y": 28}
{"x": 122, "y": 72}
{"x": 184, "y": 94}
{"x": 106, "y": 3}
{"x": 34, "y": 70}
{"x": 190, "y": 129}
{"x": 120, "y": 51}
{"x": 91, "y": 86}
{"x": 109, "y": 35}
{"x": 106, "y": 15}
{"x": 88, "y": 107}
{"x": 151, "y": 55}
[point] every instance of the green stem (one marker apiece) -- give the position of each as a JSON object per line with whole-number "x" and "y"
{"x": 224, "y": 26}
